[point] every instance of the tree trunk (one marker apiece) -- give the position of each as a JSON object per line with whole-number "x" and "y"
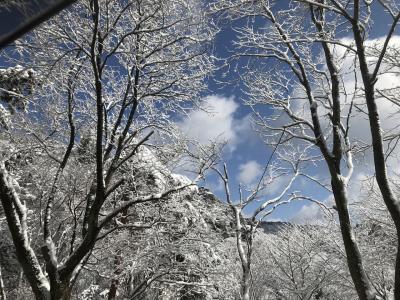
{"x": 15, "y": 213}
{"x": 62, "y": 292}
{"x": 112, "y": 294}
{"x": 354, "y": 259}
{"x": 246, "y": 280}
{"x": 2, "y": 289}
{"x": 392, "y": 204}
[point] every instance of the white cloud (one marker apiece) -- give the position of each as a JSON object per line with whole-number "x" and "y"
{"x": 309, "y": 214}
{"x": 249, "y": 172}
{"x": 216, "y": 185}
{"x": 215, "y": 121}
{"x": 277, "y": 185}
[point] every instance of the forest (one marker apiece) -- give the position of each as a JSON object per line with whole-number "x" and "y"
{"x": 201, "y": 149}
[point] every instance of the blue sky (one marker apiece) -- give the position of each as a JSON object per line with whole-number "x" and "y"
{"x": 246, "y": 154}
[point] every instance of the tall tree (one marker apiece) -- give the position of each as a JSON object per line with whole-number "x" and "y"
{"x": 358, "y": 16}
{"x": 293, "y": 67}
{"x": 287, "y": 164}
{"x": 110, "y": 71}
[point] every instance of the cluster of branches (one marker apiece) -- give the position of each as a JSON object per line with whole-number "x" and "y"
{"x": 315, "y": 83}
{"x": 109, "y": 75}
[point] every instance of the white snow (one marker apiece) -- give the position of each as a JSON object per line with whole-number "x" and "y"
{"x": 181, "y": 180}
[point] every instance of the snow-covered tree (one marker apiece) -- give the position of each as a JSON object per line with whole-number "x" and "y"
{"x": 287, "y": 163}
{"x": 111, "y": 73}
{"x": 297, "y": 66}
{"x": 16, "y": 85}
{"x": 303, "y": 262}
